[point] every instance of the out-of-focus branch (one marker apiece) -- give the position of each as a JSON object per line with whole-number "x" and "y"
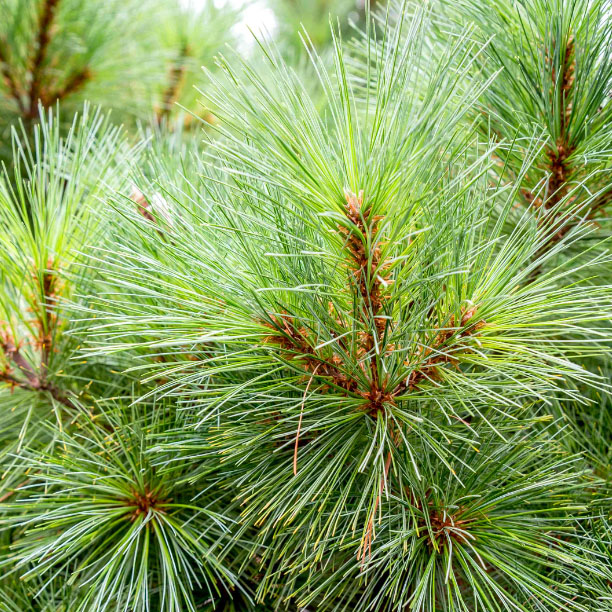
{"x": 9, "y": 80}
{"x": 74, "y": 83}
{"x": 45, "y": 24}
{"x": 175, "y": 84}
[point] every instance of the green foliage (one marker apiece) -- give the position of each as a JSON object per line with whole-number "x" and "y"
{"x": 138, "y": 58}
{"x": 350, "y": 352}
{"x": 70, "y": 50}
{"x": 495, "y": 538}
{"x": 49, "y": 210}
{"x": 313, "y": 16}
{"x": 132, "y": 538}
{"x": 554, "y": 59}
{"x": 189, "y": 37}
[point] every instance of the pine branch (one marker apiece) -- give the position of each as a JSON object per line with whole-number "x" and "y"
{"x": 46, "y": 212}
{"x": 12, "y": 492}
{"x": 9, "y": 80}
{"x": 346, "y": 289}
{"x": 176, "y": 79}
{"x": 34, "y": 381}
{"x": 13, "y": 354}
{"x": 166, "y": 537}
{"x": 559, "y": 170}
{"x": 367, "y": 274}
{"x": 74, "y": 84}
{"x": 43, "y": 39}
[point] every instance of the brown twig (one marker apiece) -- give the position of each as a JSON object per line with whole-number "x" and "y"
{"x": 9, "y": 80}
{"x": 35, "y": 378}
{"x": 297, "y": 435}
{"x": 366, "y": 545}
{"x": 367, "y": 272}
{"x": 33, "y": 381}
{"x": 558, "y": 166}
{"x": 45, "y": 23}
{"x": 46, "y": 315}
{"x": 75, "y": 83}
{"x": 12, "y": 492}
{"x": 429, "y": 369}
{"x": 176, "y": 78}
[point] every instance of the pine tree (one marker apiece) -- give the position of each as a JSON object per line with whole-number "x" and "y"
{"x": 137, "y": 58}
{"x": 349, "y": 353}
{"x": 50, "y": 209}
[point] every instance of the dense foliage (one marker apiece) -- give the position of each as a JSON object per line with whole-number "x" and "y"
{"x": 331, "y": 332}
